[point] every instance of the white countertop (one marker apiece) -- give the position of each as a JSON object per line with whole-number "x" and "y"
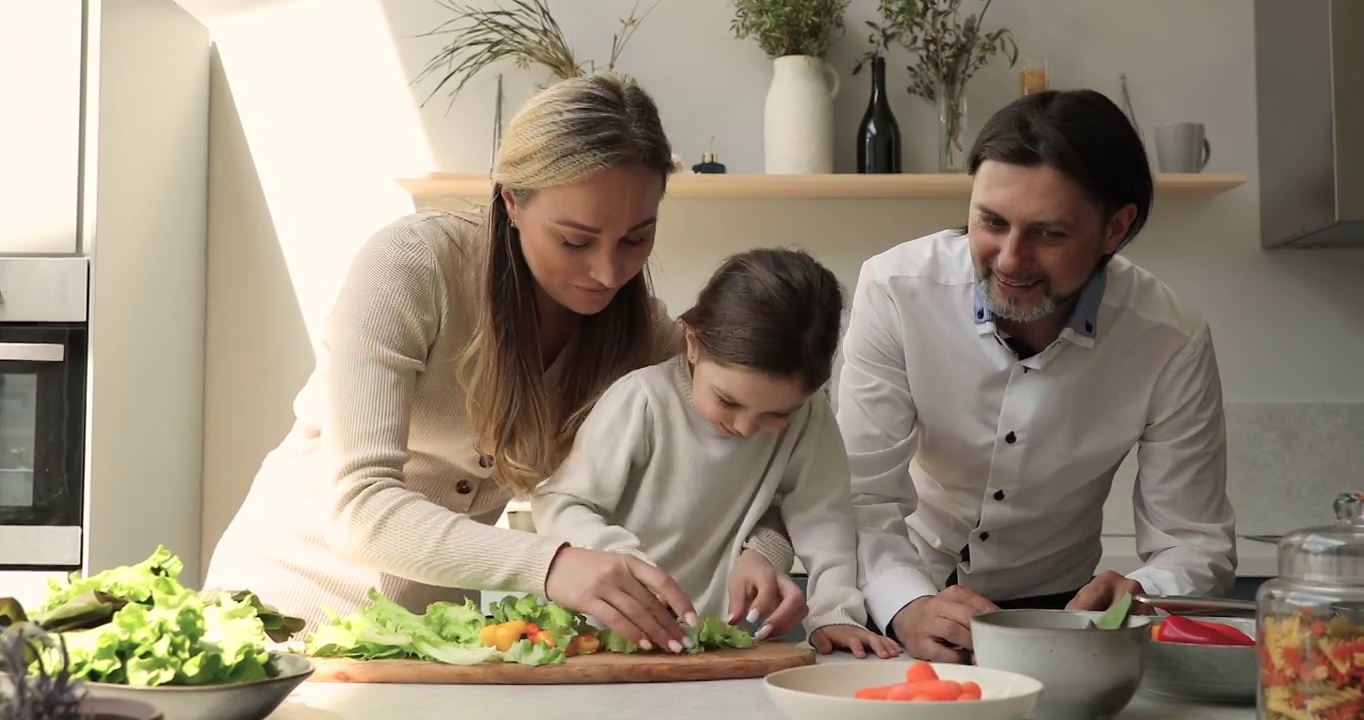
{"x": 745, "y": 699}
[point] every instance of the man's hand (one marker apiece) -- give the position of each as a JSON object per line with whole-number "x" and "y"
{"x": 937, "y": 628}
{"x": 1104, "y": 590}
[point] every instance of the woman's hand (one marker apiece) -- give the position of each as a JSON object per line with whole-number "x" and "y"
{"x": 625, "y": 593}
{"x": 756, "y": 589}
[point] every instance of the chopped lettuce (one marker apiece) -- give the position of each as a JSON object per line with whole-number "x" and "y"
{"x": 560, "y": 622}
{"x": 526, "y": 652}
{"x": 708, "y": 633}
{"x": 712, "y": 633}
{"x": 460, "y": 634}
{"x": 386, "y": 630}
{"x": 447, "y": 632}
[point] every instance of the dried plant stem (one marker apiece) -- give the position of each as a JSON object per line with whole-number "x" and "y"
{"x": 952, "y": 115}
{"x": 627, "y": 30}
{"x": 524, "y": 32}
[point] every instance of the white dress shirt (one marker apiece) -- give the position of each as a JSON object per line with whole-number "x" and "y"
{"x": 956, "y": 445}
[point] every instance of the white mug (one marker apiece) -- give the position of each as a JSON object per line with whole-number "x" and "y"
{"x": 1182, "y": 147}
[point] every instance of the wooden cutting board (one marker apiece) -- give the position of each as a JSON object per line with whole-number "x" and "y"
{"x": 603, "y": 667}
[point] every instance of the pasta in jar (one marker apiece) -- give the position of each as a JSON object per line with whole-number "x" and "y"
{"x": 1311, "y": 666}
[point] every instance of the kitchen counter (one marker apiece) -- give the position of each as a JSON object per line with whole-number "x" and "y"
{"x": 659, "y": 701}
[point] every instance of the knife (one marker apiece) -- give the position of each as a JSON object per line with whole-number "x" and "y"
{"x": 1193, "y": 605}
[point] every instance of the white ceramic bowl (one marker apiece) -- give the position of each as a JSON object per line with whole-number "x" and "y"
{"x": 238, "y": 701}
{"x": 1206, "y": 673}
{"x": 1089, "y": 674}
{"x": 825, "y": 692}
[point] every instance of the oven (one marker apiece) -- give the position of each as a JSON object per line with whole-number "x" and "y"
{"x": 44, "y": 339}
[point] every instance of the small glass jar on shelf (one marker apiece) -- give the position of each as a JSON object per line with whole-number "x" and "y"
{"x": 1033, "y": 76}
{"x": 1311, "y": 622}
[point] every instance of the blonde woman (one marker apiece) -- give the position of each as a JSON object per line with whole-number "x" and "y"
{"x": 458, "y": 362}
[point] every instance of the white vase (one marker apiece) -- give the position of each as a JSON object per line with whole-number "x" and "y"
{"x": 798, "y": 119}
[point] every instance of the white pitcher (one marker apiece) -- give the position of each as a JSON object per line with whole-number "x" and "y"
{"x": 798, "y": 122}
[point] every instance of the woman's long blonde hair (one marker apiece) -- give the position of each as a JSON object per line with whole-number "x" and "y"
{"x": 566, "y": 133}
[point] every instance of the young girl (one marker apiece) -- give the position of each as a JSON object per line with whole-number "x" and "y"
{"x": 676, "y": 462}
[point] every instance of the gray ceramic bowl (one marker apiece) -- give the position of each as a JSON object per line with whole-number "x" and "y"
{"x": 1086, "y": 674}
{"x": 106, "y": 708}
{"x": 238, "y": 701}
{"x": 1207, "y": 673}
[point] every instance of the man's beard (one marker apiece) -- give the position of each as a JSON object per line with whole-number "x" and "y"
{"x": 1008, "y": 308}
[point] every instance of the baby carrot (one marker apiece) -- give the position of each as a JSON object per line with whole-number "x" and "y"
{"x": 931, "y": 690}
{"x": 920, "y": 671}
{"x": 875, "y": 693}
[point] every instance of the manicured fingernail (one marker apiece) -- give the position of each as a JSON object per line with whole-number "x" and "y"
{"x": 690, "y": 618}
{"x": 675, "y": 646}
{"x": 646, "y": 644}
{"x": 753, "y": 615}
{"x": 763, "y": 632}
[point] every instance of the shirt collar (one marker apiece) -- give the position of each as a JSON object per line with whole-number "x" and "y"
{"x": 1084, "y": 319}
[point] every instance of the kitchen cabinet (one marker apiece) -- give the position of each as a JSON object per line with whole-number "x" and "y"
{"x": 40, "y": 125}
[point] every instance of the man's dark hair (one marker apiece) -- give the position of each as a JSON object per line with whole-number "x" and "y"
{"x": 1080, "y": 133}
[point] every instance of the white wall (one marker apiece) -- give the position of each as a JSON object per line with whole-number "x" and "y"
{"x": 146, "y": 182}
{"x": 313, "y": 116}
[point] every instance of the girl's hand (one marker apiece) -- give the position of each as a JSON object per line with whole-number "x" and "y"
{"x": 625, "y": 593}
{"x": 854, "y": 638}
{"x": 756, "y": 589}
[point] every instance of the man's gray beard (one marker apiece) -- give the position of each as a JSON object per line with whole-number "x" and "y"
{"x": 1008, "y": 309}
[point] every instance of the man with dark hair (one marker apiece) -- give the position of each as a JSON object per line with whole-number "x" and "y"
{"x": 995, "y": 377}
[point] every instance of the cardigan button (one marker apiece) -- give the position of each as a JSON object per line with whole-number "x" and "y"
{"x": 464, "y": 487}
{"x": 485, "y": 461}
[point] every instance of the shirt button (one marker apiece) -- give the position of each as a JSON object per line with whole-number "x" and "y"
{"x": 999, "y": 494}
{"x": 485, "y": 461}
{"x": 464, "y": 487}
{"x": 1010, "y": 438}
{"x": 984, "y": 536}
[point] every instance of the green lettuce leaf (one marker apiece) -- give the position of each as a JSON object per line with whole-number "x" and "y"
{"x": 446, "y": 632}
{"x": 137, "y": 625}
{"x": 709, "y": 633}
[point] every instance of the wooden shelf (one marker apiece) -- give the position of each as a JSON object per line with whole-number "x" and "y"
{"x": 844, "y": 186}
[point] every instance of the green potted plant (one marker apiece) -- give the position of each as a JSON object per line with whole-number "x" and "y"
{"x": 949, "y": 49}
{"x": 798, "y": 116}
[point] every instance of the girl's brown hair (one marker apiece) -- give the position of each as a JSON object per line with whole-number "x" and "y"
{"x": 772, "y": 310}
{"x": 566, "y": 133}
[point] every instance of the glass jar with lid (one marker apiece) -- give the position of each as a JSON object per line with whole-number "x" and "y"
{"x": 1311, "y": 622}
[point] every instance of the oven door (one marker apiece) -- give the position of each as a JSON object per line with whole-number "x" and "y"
{"x": 42, "y": 444}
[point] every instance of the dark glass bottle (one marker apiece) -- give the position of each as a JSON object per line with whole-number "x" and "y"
{"x": 878, "y": 137}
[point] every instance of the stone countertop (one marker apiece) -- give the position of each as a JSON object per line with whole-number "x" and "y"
{"x": 745, "y": 699}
